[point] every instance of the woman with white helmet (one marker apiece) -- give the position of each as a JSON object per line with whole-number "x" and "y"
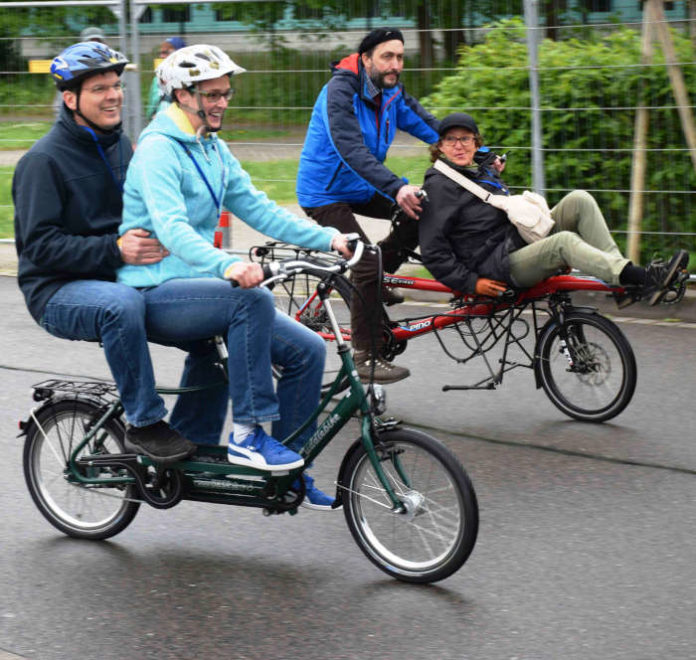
{"x": 179, "y": 179}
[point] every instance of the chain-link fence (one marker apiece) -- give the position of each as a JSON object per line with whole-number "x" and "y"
{"x": 587, "y": 94}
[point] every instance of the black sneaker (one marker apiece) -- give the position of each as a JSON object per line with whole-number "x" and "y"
{"x": 385, "y": 372}
{"x": 659, "y": 276}
{"x": 158, "y": 441}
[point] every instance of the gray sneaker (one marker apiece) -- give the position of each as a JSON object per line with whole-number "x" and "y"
{"x": 385, "y": 372}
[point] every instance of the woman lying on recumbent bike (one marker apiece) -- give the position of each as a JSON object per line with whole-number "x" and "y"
{"x": 472, "y": 246}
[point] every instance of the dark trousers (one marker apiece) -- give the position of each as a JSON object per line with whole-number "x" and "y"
{"x": 365, "y": 315}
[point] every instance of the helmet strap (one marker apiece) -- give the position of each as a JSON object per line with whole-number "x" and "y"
{"x": 199, "y": 112}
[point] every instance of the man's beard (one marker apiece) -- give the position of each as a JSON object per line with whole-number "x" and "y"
{"x": 378, "y": 79}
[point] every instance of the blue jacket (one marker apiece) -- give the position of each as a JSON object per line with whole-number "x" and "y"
{"x": 349, "y": 135}
{"x": 67, "y": 197}
{"x": 170, "y": 195}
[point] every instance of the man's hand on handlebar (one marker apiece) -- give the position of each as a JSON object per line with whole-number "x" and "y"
{"x": 340, "y": 243}
{"x": 247, "y": 275}
{"x": 138, "y": 249}
{"x": 409, "y": 200}
{"x": 492, "y": 288}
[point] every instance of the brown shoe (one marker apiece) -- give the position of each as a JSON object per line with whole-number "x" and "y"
{"x": 385, "y": 372}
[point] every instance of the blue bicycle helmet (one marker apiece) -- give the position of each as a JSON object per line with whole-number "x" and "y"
{"x": 80, "y": 60}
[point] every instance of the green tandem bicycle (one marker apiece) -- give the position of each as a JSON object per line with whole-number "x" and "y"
{"x": 407, "y": 500}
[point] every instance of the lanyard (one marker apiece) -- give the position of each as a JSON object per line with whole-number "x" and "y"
{"x": 119, "y": 181}
{"x": 205, "y": 178}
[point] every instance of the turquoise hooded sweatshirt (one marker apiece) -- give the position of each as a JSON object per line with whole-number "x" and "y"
{"x": 166, "y": 194}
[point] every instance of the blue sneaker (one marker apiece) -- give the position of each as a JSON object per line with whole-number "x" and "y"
{"x": 259, "y": 450}
{"x": 314, "y": 498}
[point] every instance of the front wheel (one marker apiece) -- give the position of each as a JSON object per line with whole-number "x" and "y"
{"x": 432, "y": 533}
{"x": 590, "y": 373}
{"x": 82, "y": 511}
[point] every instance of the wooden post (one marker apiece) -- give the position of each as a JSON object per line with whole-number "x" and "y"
{"x": 675, "y": 75}
{"x": 635, "y": 203}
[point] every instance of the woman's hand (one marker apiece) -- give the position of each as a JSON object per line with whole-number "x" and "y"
{"x": 340, "y": 243}
{"x": 247, "y": 275}
{"x": 486, "y": 287}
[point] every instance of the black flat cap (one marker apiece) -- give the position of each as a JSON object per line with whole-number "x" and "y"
{"x": 379, "y": 36}
{"x": 457, "y": 120}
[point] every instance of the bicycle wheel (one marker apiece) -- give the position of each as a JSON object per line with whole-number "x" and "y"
{"x": 81, "y": 511}
{"x": 435, "y": 532}
{"x": 602, "y": 378}
{"x": 297, "y": 297}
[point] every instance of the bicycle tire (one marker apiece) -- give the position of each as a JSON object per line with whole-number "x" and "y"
{"x": 86, "y": 512}
{"x": 436, "y": 533}
{"x": 602, "y": 382}
{"x": 296, "y": 298}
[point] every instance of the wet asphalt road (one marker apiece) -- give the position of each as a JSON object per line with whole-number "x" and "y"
{"x": 586, "y": 547}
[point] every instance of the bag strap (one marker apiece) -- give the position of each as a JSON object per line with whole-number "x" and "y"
{"x": 463, "y": 181}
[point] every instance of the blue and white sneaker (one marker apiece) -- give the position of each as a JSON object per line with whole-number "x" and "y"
{"x": 259, "y": 450}
{"x": 314, "y": 498}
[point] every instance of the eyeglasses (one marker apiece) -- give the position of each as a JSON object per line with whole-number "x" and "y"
{"x": 165, "y": 53}
{"x": 450, "y": 140}
{"x": 215, "y": 96}
{"x": 99, "y": 90}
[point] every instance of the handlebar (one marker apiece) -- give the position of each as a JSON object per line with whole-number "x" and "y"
{"x": 281, "y": 270}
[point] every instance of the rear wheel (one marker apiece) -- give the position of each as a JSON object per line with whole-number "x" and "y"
{"x": 434, "y": 531}
{"x": 82, "y": 511}
{"x": 590, "y": 374}
{"x": 297, "y": 297}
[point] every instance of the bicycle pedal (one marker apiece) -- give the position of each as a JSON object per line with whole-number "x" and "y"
{"x": 626, "y": 299}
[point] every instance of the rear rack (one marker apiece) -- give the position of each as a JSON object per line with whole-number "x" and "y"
{"x": 91, "y": 388}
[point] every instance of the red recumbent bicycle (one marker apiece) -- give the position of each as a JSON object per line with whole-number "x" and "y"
{"x": 581, "y": 359}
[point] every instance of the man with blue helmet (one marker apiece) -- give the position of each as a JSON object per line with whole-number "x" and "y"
{"x": 67, "y": 192}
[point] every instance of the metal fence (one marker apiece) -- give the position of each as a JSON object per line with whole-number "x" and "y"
{"x": 286, "y": 48}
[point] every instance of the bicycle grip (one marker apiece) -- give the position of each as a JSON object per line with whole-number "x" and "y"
{"x": 267, "y": 272}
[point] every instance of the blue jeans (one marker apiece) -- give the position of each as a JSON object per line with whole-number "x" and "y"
{"x": 183, "y": 310}
{"x": 114, "y": 314}
{"x": 95, "y": 310}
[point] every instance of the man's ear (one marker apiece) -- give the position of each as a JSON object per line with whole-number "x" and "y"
{"x": 70, "y": 99}
{"x": 364, "y": 59}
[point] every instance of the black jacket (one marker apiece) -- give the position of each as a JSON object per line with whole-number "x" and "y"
{"x": 461, "y": 237}
{"x": 67, "y": 209}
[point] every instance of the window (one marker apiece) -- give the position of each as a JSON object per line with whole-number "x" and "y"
{"x": 177, "y": 15}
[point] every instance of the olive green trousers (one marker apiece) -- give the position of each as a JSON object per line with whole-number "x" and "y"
{"x": 579, "y": 239}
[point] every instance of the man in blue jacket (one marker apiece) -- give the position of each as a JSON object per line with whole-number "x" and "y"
{"x": 341, "y": 172}
{"x": 67, "y": 195}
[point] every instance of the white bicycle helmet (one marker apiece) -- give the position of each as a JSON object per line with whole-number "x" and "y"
{"x": 187, "y": 66}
